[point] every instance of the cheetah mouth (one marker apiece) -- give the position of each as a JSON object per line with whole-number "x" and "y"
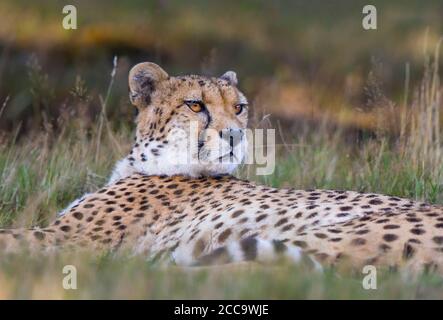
{"x": 208, "y": 154}
{"x": 228, "y": 156}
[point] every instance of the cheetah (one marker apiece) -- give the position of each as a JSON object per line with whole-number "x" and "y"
{"x": 196, "y": 212}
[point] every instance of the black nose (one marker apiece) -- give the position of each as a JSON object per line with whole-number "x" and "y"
{"x": 232, "y": 136}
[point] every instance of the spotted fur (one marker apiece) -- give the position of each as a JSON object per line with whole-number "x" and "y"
{"x": 205, "y": 218}
{"x": 193, "y": 217}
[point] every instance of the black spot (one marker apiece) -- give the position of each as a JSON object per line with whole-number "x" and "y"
{"x": 299, "y": 243}
{"x": 218, "y": 225}
{"x": 375, "y": 201}
{"x": 100, "y": 222}
{"x": 224, "y": 235}
{"x": 438, "y": 239}
{"x": 389, "y": 237}
{"x": 235, "y": 214}
{"x": 391, "y": 226}
{"x": 358, "y": 241}
{"x": 417, "y": 231}
{"x": 287, "y": 227}
{"x": 261, "y": 217}
{"x": 249, "y": 248}
{"x": 281, "y": 222}
{"x": 335, "y": 230}
{"x": 413, "y": 219}
{"x": 320, "y": 235}
{"x": 78, "y": 215}
{"x": 408, "y": 251}
{"x": 279, "y": 246}
{"x": 39, "y": 235}
{"x": 384, "y": 247}
{"x": 65, "y": 228}
{"x": 312, "y": 215}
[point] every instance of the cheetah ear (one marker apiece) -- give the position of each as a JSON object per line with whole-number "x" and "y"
{"x": 143, "y": 79}
{"x": 231, "y": 77}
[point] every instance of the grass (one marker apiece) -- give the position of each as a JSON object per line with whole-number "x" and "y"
{"x": 40, "y": 175}
{"x": 108, "y": 277}
{"x": 316, "y": 49}
{"x": 55, "y": 147}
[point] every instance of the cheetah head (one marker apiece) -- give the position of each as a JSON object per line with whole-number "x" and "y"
{"x": 189, "y": 125}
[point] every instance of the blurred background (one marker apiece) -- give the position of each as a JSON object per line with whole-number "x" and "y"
{"x": 353, "y": 109}
{"x": 337, "y": 94}
{"x": 296, "y": 60}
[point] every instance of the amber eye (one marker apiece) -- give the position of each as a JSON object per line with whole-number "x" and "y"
{"x": 196, "y": 106}
{"x": 239, "y": 108}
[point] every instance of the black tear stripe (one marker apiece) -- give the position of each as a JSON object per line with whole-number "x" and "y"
{"x": 209, "y": 118}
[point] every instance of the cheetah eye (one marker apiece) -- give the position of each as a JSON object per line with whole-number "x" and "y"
{"x": 239, "y": 108}
{"x": 195, "y": 105}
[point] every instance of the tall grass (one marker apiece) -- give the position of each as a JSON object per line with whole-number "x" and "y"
{"x": 45, "y": 170}
{"x": 422, "y": 142}
{"x": 405, "y": 161}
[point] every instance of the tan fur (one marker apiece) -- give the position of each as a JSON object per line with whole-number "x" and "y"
{"x": 163, "y": 125}
{"x": 160, "y": 214}
{"x": 188, "y": 218}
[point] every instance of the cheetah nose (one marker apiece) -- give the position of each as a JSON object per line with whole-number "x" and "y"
{"x": 232, "y": 136}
